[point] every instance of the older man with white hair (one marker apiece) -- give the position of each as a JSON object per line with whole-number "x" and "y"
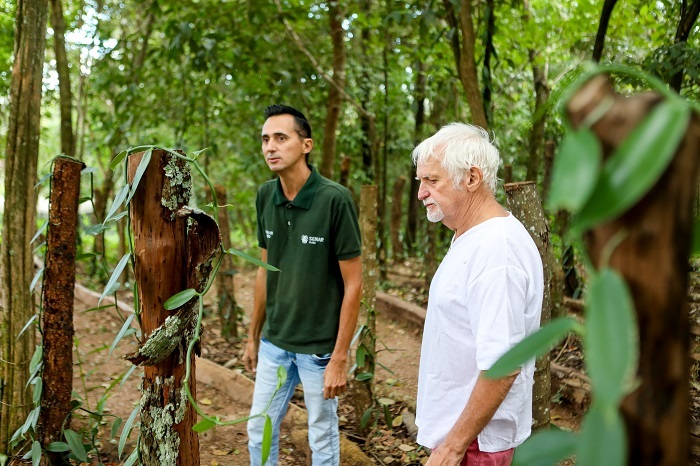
{"x": 485, "y": 297}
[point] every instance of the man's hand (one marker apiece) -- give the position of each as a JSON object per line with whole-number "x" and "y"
{"x": 444, "y": 456}
{"x": 334, "y": 379}
{"x": 250, "y": 355}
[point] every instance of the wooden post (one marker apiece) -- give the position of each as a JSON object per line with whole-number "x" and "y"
{"x": 58, "y": 289}
{"x": 653, "y": 259}
{"x": 524, "y": 203}
{"x": 173, "y": 248}
{"x": 362, "y": 393}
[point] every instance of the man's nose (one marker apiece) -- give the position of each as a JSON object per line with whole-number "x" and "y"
{"x": 422, "y": 192}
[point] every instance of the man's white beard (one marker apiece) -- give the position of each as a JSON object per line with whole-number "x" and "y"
{"x": 436, "y": 214}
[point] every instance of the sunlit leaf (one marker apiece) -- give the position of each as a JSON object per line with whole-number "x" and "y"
{"x": 117, "y": 159}
{"x": 281, "y": 376}
{"x": 36, "y": 358}
{"x": 42, "y": 180}
{"x": 545, "y": 448}
{"x": 602, "y": 439}
{"x": 637, "y": 164}
{"x": 534, "y": 345}
{"x": 115, "y": 276}
{"x": 36, "y": 453}
{"x": 203, "y": 425}
{"x": 179, "y": 299}
{"x": 39, "y": 273}
{"x": 75, "y": 442}
{"x": 41, "y": 229}
{"x": 140, "y": 170}
{"x": 38, "y": 388}
{"x": 115, "y": 427}
{"x": 122, "y": 332}
{"x": 126, "y": 431}
{"x": 58, "y": 447}
{"x": 575, "y": 170}
{"x": 133, "y": 457}
{"x": 117, "y": 203}
{"x": 267, "y": 439}
{"x": 26, "y": 326}
{"x": 253, "y": 260}
{"x": 611, "y": 336}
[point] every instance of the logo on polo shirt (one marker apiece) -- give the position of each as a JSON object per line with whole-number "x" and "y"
{"x": 269, "y": 233}
{"x": 305, "y": 239}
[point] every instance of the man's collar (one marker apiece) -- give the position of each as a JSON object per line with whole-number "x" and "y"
{"x": 305, "y": 196}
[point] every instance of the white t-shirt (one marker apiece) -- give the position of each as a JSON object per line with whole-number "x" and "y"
{"x": 485, "y": 297}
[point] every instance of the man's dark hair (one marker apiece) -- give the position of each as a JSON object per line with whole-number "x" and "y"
{"x": 302, "y": 126}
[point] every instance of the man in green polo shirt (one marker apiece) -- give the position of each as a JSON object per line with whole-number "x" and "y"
{"x": 303, "y": 316}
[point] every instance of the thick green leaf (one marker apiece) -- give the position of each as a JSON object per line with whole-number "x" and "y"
{"x": 117, "y": 159}
{"x": 115, "y": 276}
{"x": 203, "y": 425}
{"x": 252, "y": 259}
{"x": 281, "y": 377}
{"x": 75, "y": 442}
{"x": 115, "y": 427}
{"x": 35, "y": 280}
{"x": 118, "y": 201}
{"x": 364, "y": 376}
{"x": 122, "y": 332}
{"x": 38, "y": 233}
{"x": 545, "y": 448}
{"x": 611, "y": 336}
{"x": 36, "y": 358}
{"x": 366, "y": 416}
{"x": 534, "y": 345}
{"x": 58, "y": 447}
{"x": 267, "y": 439}
{"x": 36, "y": 453}
{"x": 179, "y": 299}
{"x": 603, "y": 440}
{"x": 133, "y": 457}
{"x": 26, "y": 326}
{"x": 575, "y": 171}
{"x": 126, "y": 430}
{"x": 360, "y": 356}
{"x": 128, "y": 373}
{"x": 637, "y": 164}
{"x": 140, "y": 170}
{"x": 38, "y": 388}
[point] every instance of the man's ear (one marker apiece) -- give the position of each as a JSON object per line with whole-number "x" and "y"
{"x": 474, "y": 178}
{"x": 308, "y": 145}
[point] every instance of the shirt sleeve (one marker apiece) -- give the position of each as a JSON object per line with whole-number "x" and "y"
{"x": 347, "y": 238}
{"x": 262, "y": 240}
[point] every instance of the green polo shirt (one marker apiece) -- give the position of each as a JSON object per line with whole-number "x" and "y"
{"x": 305, "y": 238}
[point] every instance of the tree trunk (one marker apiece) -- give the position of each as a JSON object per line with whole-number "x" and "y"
{"x": 335, "y": 99}
{"x": 548, "y": 162}
{"x": 653, "y": 259}
{"x": 225, "y": 290}
{"x": 65, "y": 94}
{"x": 489, "y": 51}
{"x": 395, "y": 226}
{"x": 362, "y": 393}
{"x": 413, "y": 202}
{"x": 17, "y": 267}
{"x": 524, "y": 203}
{"x": 608, "y": 6}
{"x": 173, "y": 251}
{"x": 689, "y": 14}
{"x": 539, "y": 76}
{"x": 467, "y": 63}
{"x": 345, "y": 165}
{"x": 58, "y": 289}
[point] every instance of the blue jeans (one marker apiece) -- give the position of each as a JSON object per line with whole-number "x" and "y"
{"x": 308, "y": 369}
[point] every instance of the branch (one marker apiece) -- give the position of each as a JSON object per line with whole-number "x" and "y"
{"x": 300, "y": 44}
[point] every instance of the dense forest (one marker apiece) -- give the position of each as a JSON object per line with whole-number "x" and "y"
{"x": 90, "y": 79}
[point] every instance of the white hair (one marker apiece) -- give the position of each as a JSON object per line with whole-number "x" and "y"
{"x": 460, "y": 147}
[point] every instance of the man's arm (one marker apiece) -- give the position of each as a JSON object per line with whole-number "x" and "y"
{"x": 487, "y": 396}
{"x": 257, "y": 319}
{"x": 334, "y": 377}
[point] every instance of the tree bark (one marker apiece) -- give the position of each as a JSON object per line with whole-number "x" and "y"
{"x": 395, "y": 226}
{"x": 58, "y": 290}
{"x": 65, "y": 94}
{"x": 173, "y": 248}
{"x": 689, "y": 14}
{"x": 489, "y": 51}
{"x": 608, "y": 6}
{"x": 653, "y": 259}
{"x": 335, "y": 99}
{"x": 539, "y": 76}
{"x": 16, "y": 266}
{"x": 362, "y": 393}
{"x": 413, "y": 202}
{"x": 466, "y": 61}
{"x": 524, "y": 203}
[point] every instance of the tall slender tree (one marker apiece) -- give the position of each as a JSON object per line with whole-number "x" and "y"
{"x": 16, "y": 265}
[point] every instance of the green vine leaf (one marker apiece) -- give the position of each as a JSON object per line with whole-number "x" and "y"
{"x": 140, "y": 170}
{"x": 602, "y": 439}
{"x": 267, "y": 439}
{"x": 545, "y": 448}
{"x": 75, "y": 442}
{"x": 179, "y": 299}
{"x": 110, "y": 288}
{"x": 252, "y": 259}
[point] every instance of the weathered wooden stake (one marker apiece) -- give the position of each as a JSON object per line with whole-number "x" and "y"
{"x": 58, "y": 290}
{"x": 653, "y": 259}
{"x": 173, "y": 249}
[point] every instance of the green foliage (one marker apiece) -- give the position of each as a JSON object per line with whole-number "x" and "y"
{"x": 610, "y": 333}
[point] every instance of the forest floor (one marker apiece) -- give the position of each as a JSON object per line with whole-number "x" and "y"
{"x": 398, "y": 345}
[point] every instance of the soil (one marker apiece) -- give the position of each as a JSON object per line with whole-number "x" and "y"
{"x": 398, "y": 347}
